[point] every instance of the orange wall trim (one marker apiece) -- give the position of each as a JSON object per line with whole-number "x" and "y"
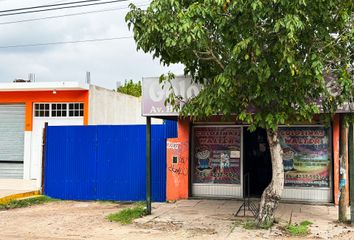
{"x": 30, "y": 97}
{"x": 177, "y": 172}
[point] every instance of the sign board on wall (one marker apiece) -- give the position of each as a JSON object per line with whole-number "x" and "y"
{"x": 305, "y": 156}
{"x": 155, "y": 93}
{"x": 217, "y": 155}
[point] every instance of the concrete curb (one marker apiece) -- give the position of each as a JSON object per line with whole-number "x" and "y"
{"x": 9, "y": 198}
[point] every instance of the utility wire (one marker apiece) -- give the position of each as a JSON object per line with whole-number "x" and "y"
{"x": 68, "y": 15}
{"x": 67, "y": 42}
{"x": 48, "y": 5}
{"x": 59, "y": 8}
{"x": 8, "y": 0}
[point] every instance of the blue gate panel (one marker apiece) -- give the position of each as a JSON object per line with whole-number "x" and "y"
{"x": 171, "y": 129}
{"x": 70, "y": 166}
{"x": 121, "y": 163}
{"x": 158, "y": 164}
{"x": 105, "y": 162}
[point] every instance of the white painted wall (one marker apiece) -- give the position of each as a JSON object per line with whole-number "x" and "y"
{"x": 110, "y": 107}
{"x": 35, "y": 166}
{"x": 27, "y": 155}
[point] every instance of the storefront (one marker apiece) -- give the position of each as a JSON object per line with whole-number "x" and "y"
{"x": 216, "y": 161}
{"x": 222, "y": 159}
{"x": 230, "y": 161}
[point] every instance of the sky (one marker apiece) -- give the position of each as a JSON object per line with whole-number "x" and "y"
{"x": 108, "y": 62}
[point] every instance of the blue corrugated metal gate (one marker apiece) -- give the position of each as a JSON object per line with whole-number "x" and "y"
{"x": 105, "y": 162}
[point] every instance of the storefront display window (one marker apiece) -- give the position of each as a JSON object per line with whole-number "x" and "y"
{"x": 217, "y": 155}
{"x": 306, "y": 156}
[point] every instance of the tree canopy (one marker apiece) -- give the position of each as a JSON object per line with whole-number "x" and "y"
{"x": 130, "y": 88}
{"x": 266, "y": 62}
{"x": 262, "y": 62}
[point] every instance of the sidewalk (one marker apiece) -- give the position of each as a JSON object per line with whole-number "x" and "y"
{"x": 215, "y": 220}
{"x": 17, "y": 188}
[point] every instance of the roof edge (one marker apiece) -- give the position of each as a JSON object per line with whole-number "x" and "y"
{"x": 42, "y": 86}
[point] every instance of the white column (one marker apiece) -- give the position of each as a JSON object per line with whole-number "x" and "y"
{"x": 27, "y": 155}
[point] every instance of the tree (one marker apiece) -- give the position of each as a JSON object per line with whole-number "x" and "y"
{"x": 265, "y": 63}
{"x": 130, "y": 88}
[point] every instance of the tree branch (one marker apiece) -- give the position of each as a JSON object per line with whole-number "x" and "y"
{"x": 209, "y": 56}
{"x": 217, "y": 60}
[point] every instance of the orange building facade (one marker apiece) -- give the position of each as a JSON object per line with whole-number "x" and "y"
{"x": 26, "y": 107}
{"x": 181, "y": 172}
{"x": 32, "y": 97}
{"x": 24, "y": 110}
{"x": 222, "y": 159}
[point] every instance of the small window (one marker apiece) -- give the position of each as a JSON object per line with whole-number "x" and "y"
{"x": 42, "y": 109}
{"x": 59, "y": 109}
{"x": 76, "y": 109}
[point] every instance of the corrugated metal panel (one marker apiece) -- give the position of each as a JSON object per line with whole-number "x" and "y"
{"x": 104, "y": 163}
{"x": 321, "y": 195}
{"x": 11, "y": 170}
{"x": 158, "y": 165}
{"x": 121, "y": 163}
{"x": 171, "y": 128}
{"x": 12, "y": 123}
{"x": 70, "y": 166}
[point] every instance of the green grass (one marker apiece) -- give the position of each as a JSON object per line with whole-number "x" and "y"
{"x": 250, "y": 224}
{"x": 26, "y": 202}
{"x": 301, "y": 229}
{"x": 126, "y": 216}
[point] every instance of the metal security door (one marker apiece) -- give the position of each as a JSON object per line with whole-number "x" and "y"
{"x": 12, "y": 123}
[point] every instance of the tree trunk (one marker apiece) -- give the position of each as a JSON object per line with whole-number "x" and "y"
{"x": 342, "y": 209}
{"x": 271, "y": 195}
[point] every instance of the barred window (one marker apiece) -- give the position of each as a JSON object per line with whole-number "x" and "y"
{"x": 59, "y": 110}
{"x": 76, "y": 109}
{"x": 42, "y": 110}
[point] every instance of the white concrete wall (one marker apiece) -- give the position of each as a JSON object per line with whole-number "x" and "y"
{"x": 27, "y": 155}
{"x": 35, "y": 165}
{"x": 110, "y": 107}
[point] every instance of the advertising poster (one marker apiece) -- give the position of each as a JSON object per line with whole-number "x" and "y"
{"x": 305, "y": 156}
{"x": 217, "y": 155}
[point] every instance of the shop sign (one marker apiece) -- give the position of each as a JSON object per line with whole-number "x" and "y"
{"x": 217, "y": 155}
{"x": 155, "y": 93}
{"x": 305, "y": 156}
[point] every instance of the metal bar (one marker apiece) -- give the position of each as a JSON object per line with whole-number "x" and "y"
{"x": 148, "y": 165}
{"x": 248, "y": 186}
{"x": 44, "y": 152}
{"x": 247, "y": 204}
{"x": 246, "y": 179}
{"x": 11, "y": 162}
{"x": 351, "y": 170}
{"x": 191, "y": 158}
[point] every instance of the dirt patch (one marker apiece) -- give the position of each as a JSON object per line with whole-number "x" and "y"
{"x": 66, "y": 220}
{"x": 201, "y": 231}
{"x": 161, "y": 226}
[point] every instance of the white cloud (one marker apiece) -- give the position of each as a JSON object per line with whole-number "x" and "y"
{"x": 108, "y": 61}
